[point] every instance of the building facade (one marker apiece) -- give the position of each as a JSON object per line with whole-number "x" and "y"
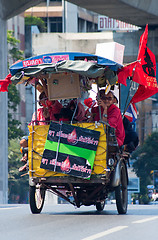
{"x": 62, "y": 16}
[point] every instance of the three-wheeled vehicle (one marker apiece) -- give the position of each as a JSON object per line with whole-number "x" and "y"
{"x": 80, "y": 161}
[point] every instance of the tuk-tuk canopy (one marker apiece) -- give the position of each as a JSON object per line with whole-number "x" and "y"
{"x": 60, "y": 56}
{"x": 89, "y": 65}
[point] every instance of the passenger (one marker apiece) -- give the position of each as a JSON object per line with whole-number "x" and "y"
{"x": 109, "y": 113}
{"x": 131, "y": 137}
{"x": 47, "y": 111}
{"x": 24, "y": 151}
{"x": 66, "y": 113}
{"x": 80, "y": 113}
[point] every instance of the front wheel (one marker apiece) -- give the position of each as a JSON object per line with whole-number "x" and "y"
{"x": 100, "y": 205}
{"x": 121, "y": 193}
{"x": 36, "y": 198}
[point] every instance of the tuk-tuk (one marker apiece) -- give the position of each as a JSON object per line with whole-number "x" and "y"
{"x": 79, "y": 161}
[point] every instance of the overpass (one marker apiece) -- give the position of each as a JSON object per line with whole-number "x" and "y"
{"x": 136, "y": 12}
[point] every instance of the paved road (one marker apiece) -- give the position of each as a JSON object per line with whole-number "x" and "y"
{"x": 63, "y": 221}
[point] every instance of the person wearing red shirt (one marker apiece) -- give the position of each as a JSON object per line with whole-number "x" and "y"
{"x": 110, "y": 113}
{"x": 47, "y": 112}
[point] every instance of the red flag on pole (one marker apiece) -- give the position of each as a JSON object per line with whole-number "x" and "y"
{"x": 145, "y": 71}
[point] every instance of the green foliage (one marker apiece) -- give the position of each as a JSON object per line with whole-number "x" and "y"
{"x": 146, "y": 160}
{"x": 14, "y": 129}
{"x": 13, "y": 97}
{"x": 18, "y": 186}
{"x": 14, "y": 53}
{"x": 30, "y": 20}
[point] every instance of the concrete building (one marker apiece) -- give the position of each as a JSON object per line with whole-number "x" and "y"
{"x": 62, "y": 16}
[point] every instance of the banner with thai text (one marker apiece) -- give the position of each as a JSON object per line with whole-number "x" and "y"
{"x": 70, "y": 149}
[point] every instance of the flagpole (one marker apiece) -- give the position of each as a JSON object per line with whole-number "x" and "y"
{"x": 130, "y": 63}
{"x": 125, "y": 109}
{"x": 99, "y": 106}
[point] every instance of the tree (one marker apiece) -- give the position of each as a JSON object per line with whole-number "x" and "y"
{"x": 18, "y": 187}
{"x": 14, "y": 54}
{"x": 30, "y": 20}
{"x": 146, "y": 160}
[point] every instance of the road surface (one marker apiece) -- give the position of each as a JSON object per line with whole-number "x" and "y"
{"x": 63, "y": 221}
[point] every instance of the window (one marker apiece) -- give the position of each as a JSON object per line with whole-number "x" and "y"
{"x": 55, "y": 24}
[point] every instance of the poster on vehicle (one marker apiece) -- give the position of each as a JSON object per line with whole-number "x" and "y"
{"x": 70, "y": 149}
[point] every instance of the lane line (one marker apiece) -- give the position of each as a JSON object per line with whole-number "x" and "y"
{"x": 146, "y": 220}
{"x": 6, "y": 208}
{"x": 105, "y": 233}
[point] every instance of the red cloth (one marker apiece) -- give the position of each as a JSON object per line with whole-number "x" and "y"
{"x": 5, "y": 83}
{"x": 80, "y": 113}
{"x": 114, "y": 119}
{"x": 40, "y": 117}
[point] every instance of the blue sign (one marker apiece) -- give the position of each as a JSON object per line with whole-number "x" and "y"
{"x": 47, "y": 59}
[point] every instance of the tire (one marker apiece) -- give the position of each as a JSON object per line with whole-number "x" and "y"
{"x": 100, "y": 206}
{"x": 121, "y": 192}
{"x": 36, "y": 198}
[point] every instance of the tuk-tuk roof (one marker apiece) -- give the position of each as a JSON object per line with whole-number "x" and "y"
{"x": 51, "y": 58}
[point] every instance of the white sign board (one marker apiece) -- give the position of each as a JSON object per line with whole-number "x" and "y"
{"x": 110, "y": 24}
{"x": 134, "y": 185}
{"x": 111, "y": 50}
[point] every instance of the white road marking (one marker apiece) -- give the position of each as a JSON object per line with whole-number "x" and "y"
{"x": 146, "y": 220}
{"x": 107, "y": 232}
{"x": 6, "y": 208}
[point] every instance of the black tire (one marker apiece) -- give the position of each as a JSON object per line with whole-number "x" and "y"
{"x": 100, "y": 206}
{"x": 36, "y": 198}
{"x": 121, "y": 192}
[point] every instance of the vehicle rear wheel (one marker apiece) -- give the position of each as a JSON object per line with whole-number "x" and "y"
{"x": 100, "y": 205}
{"x": 121, "y": 193}
{"x": 36, "y": 198}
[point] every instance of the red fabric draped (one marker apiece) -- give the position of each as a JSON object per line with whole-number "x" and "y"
{"x": 5, "y": 83}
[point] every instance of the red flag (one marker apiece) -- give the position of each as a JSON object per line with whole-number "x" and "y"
{"x": 125, "y": 72}
{"x": 145, "y": 71}
{"x": 143, "y": 93}
{"x": 5, "y": 83}
{"x": 143, "y": 43}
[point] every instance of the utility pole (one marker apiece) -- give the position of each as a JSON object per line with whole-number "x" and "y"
{"x": 4, "y": 116}
{"x": 63, "y": 17}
